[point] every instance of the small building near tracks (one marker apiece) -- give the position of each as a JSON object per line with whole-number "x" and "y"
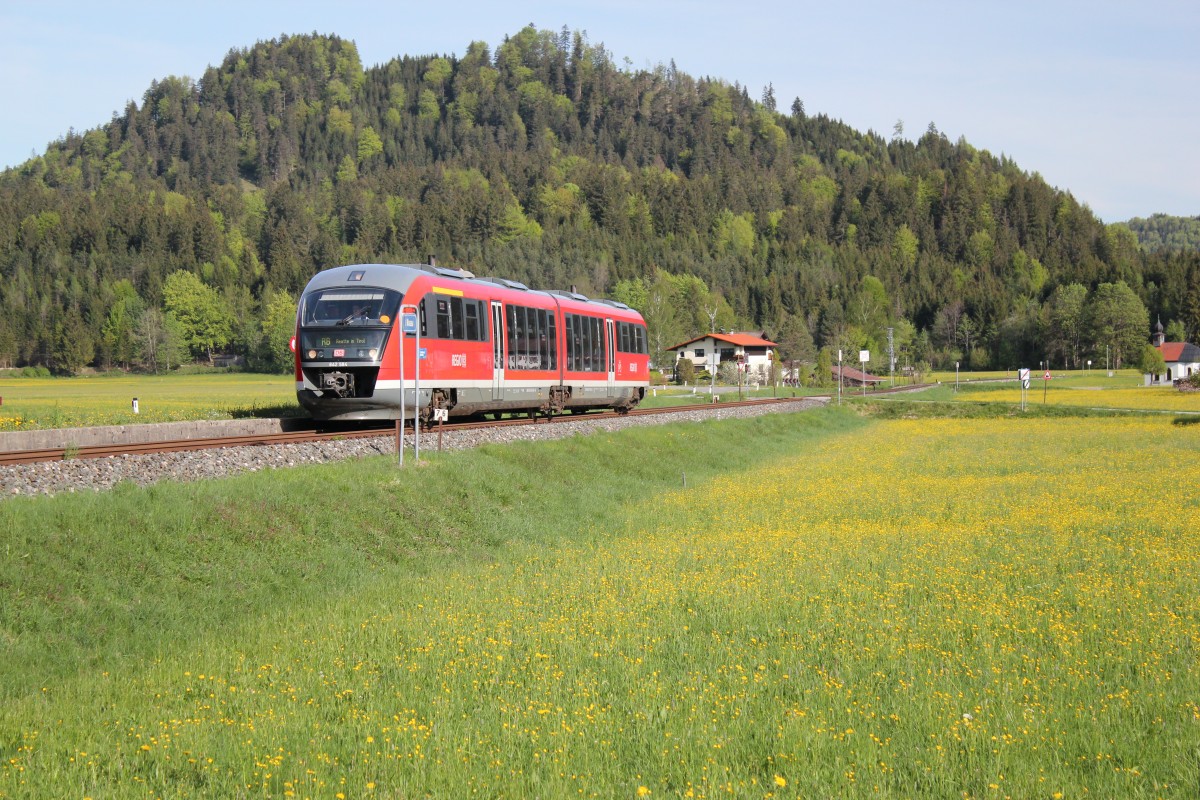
{"x": 854, "y": 377}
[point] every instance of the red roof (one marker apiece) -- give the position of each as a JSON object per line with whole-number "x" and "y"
{"x": 1179, "y": 352}
{"x": 737, "y": 339}
{"x": 1171, "y": 350}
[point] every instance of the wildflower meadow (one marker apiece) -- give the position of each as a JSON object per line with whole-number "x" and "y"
{"x": 848, "y": 608}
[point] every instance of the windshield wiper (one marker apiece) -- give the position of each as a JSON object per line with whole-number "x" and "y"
{"x": 362, "y": 312}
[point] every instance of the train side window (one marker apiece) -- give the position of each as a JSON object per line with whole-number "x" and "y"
{"x": 510, "y": 314}
{"x": 597, "y": 360}
{"x": 578, "y": 347}
{"x": 531, "y": 342}
{"x": 633, "y": 339}
{"x": 444, "y": 317}
{"x": 471, "y": 315}
{"x": 457, "y": 318}
{"x": 585, "y": 345}
{"x": 448, "y": 317}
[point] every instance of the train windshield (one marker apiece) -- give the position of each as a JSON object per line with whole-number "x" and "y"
{"x": 333, "y": 308}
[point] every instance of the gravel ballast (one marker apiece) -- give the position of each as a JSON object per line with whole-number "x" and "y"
{"x": 99, "y": 474}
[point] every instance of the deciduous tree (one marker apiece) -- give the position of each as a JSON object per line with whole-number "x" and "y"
{"x": 203, "y": 315}
{"x": 1119, "y": 321}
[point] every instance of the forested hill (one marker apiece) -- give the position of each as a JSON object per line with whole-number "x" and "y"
{"x": 1164, "y": 232}
{"x": 200, "y": 212}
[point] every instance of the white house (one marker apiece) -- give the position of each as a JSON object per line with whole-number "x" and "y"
{"x": 750, "y": 350}
{"x": 1183, "y": 358}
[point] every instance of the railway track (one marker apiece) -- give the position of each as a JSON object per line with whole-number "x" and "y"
{"x": 298, "y": 437}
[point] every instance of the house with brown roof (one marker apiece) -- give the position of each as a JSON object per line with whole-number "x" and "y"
{"x": 855, "y": 377}
{"x": 750, "y": 350}
{"x": 1182, "y": 358}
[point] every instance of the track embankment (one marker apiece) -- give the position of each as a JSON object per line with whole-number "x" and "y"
{"x": 99, "y": 473}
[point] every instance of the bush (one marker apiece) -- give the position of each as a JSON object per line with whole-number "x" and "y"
{"x": 35, "y": 372}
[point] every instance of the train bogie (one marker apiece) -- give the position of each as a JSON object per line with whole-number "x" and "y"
{"x": 467, "y": 345}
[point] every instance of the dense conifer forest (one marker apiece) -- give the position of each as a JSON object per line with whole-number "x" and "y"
{"x": 187, "y": 224}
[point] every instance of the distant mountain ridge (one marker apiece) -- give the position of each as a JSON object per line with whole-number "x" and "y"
{"x": 1165, "y": 232}
{"x": 544, "y": 162}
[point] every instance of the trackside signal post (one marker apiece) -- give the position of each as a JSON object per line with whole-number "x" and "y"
{"x": 1023, "y": 375}
{"x": 408, "y": 326}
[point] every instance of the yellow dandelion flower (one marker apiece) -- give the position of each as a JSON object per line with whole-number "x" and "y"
{"x": 643, "y": 791}
{"x": 780, "y": 780}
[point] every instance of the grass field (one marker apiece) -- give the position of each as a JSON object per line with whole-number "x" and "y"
{"x": 833, "y": 606}
{"x": 32, "y": 403}
{"x": 35, "y": 403}
{"x": 1123, "y": 391}
{"x": 1148, "y": 398}
{"x": 1120, "y": 379}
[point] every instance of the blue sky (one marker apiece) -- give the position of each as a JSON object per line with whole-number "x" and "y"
{"x": 1101, "y": 98}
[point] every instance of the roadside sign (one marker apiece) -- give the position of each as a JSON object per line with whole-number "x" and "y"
{"x": 1046, "y": 377}
{"x": 1023, "y": 374}
{"x": 421, "y": 354}
{"x": 408, "y": 323}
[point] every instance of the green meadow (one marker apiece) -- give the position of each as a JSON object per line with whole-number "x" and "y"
{"x": 37, "y": 403}
{"x": 34, "y": 403}
{"x": 823, "y": 604}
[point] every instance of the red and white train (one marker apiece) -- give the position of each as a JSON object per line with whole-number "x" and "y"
{"x": 487, "y": 345}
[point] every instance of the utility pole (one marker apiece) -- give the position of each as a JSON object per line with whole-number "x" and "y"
{"x": 716, "y": 362}
{"x": 891, "y": 357}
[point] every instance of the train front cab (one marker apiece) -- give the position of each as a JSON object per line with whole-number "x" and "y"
{"x": 343, "y": 334}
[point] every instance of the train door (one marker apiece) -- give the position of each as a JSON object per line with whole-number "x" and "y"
{"x": 497, "y": 351}
{"x": 611, "y": 340}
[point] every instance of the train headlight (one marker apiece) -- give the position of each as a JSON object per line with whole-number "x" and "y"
{"x": 292, "y": 344}
{"x": 373, "y": 353}
{"x": 312, "y": 355}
